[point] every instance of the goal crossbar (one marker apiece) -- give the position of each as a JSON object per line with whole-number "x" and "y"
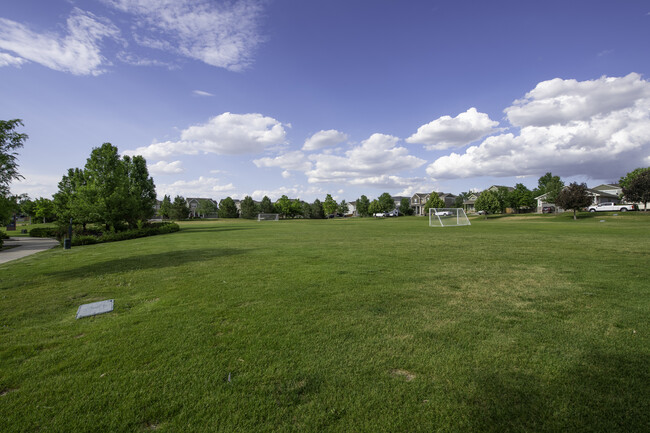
{"x": 268, "y": 217}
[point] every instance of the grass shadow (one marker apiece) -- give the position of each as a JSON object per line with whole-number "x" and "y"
{"x": 603, "y": 392}
{"x": 149, "y": 261}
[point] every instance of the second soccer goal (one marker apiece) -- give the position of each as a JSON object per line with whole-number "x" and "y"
{"x": 448, "y": 217}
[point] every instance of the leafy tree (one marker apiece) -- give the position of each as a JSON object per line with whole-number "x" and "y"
{"x": 267, "y": 205}
{"x": 44, "y": 209}
{"x": 488, "y": 201}
{"x": 206, "y": 207}
{"x": 638, "y": 189}
{"x": 374, "y": 207}
{"x": 405, "y": 207}
{"x": 249, "y": 208}
{"x": 10, "y": 140}
{"x": 628, "y": 178}
{"x": 179, "y": 209}
{"x": 141, "y": 190}
{"x": 317, "y": 211}
{"x": 362, "y": 206}
{"x": 306, "y": 209}
{"x": 165, "y": 207}
{"x": 343, "y": 207}
{"x": 575, "y": 196}
{"x": 26, "y": 205}
{"x": 67, "y": 202}
{"x": 460, "y": 199}
{"x": 434, "y": 201}
{"x": 329, "y": 205}
{"x": 110, "y": 190}
{"x": 386, "y": 202}
{"x": 227, "y": 208}
{"x": 520, "y": 198}
{"x": 283, "y": 206}
{"x": 502, "y": 194}
{"x": 549, "y": 185}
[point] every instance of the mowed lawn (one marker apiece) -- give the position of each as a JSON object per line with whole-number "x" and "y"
{"x": 531, "y": 323}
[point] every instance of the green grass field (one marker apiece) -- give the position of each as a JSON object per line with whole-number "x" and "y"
{"x": 522, "y": 323}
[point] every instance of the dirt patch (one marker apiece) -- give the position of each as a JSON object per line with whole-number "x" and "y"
{"x": 7, "y": 391}
{"x": 407, "y": 375}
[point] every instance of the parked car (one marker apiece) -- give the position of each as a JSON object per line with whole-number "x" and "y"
{"x": 611, "y": 207}
{"x": 482, "y": 212}
{"x": 548, "y": 209}
{"x": 444, "y": 213}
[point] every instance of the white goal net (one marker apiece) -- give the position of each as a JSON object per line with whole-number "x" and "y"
{"x": 268, "y": 217}
{"x": 448, "y": 217}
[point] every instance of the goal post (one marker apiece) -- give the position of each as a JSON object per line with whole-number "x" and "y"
{"x": 268, "y": 216}
{"x": 448, "y": 217}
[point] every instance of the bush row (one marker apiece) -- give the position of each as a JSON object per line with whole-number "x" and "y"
{"x": 151, "y": 230}
{"x": 46, "y": 232}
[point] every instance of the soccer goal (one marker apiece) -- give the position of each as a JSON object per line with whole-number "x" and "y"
{"x": 448, "y": 217}
{"x": 268, "y": 216}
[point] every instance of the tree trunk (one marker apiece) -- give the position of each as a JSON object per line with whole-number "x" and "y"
{"x": 575, "y": 217}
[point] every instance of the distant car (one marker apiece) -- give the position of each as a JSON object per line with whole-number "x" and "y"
{"x": 548, "y": 209}
{"x": 482, "y": 212}
{"x": 444, "y": 213}
{"x": 379, "y": 215}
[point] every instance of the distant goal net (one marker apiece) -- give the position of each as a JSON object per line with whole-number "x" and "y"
{"x": 268, "y": 217}
{"x": 448, "y": 217}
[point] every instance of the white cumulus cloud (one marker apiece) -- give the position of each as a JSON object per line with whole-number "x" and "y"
{"x": 294, "y": 160}
{"x": 206, "y": 187}
{"x": 322, "y": 139}
{"x": 77, "y": 52}
{"x": 379, "y": 155}
{"x": 9, "y": 60}
{"x": 225, "y": 134}
{"x": 598, "y": 128}
{"x": 447, "y": 132}
{"x": 163, "y": 167}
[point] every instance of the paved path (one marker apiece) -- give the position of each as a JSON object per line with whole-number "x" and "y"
{"x": 27, "y": 246}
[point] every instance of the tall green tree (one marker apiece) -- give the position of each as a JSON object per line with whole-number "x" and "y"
{"x": 386, "y": 202}
{"x": 317, "y": 211}
{"x": 67, "y": 201}
{"x": 502, "y": 194}
{"x": 329, "y": 205}
{"x": 165, "y": 207}
{"x": 228, "y": 208}
{"x": 629, "y": 177}
{"x": 434, "y": 201}
{"x": 488, "y": 201}
{"x": 520, "y": 198}
{"x": 266, "y": 206}
{"x": 575, "y": 196}
{"x": 44, "y": 209}
{"x": 249, "y": 208}
{"x": 206, "y": 207}
{"x": 374, "y": 207}
{"x": 362, "y": 206}
{"x": 141, "y": 190}
{"x": 549, "y": 185}
{"x": 306, "y": 209}
{"x": 343, "y": 207}
{"x": 460, "y": 199}
{"x": 179, "y": 209}
{"x": 638, "y": 188}
{"x": 26, "y": 205}
{"x": 10, "y": 140}
{"x": 405, "y": 206}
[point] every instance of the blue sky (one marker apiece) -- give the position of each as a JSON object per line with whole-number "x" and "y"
{"x": 307, "y": 98}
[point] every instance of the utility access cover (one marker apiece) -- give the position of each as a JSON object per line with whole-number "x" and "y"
{"x": 95, "y": 308}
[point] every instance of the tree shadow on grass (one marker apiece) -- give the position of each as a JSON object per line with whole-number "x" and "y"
{"x": 147, "y": 261}
{"x": 604, "y": 392}
{"x": 214, "y": 229}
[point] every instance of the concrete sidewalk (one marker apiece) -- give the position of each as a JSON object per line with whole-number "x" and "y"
{"x": 26, "y": 246}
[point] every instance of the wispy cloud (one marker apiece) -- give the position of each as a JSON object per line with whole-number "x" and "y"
{"x": 220, "y": 34}
{"x": 201, "y": 93}
{"x": 77, "y": 52}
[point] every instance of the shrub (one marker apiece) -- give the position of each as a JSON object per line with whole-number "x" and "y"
{"x": 45, "y": 232}
{"x": 113, "y": 236}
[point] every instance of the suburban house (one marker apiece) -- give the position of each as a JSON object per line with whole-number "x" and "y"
{"x": 193, "y": 203}
{"x": 352, "y": 208}
{"x": 606, "y": 193}
{"x": 468, "y": 203}
{"x": 419, "y": 199}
